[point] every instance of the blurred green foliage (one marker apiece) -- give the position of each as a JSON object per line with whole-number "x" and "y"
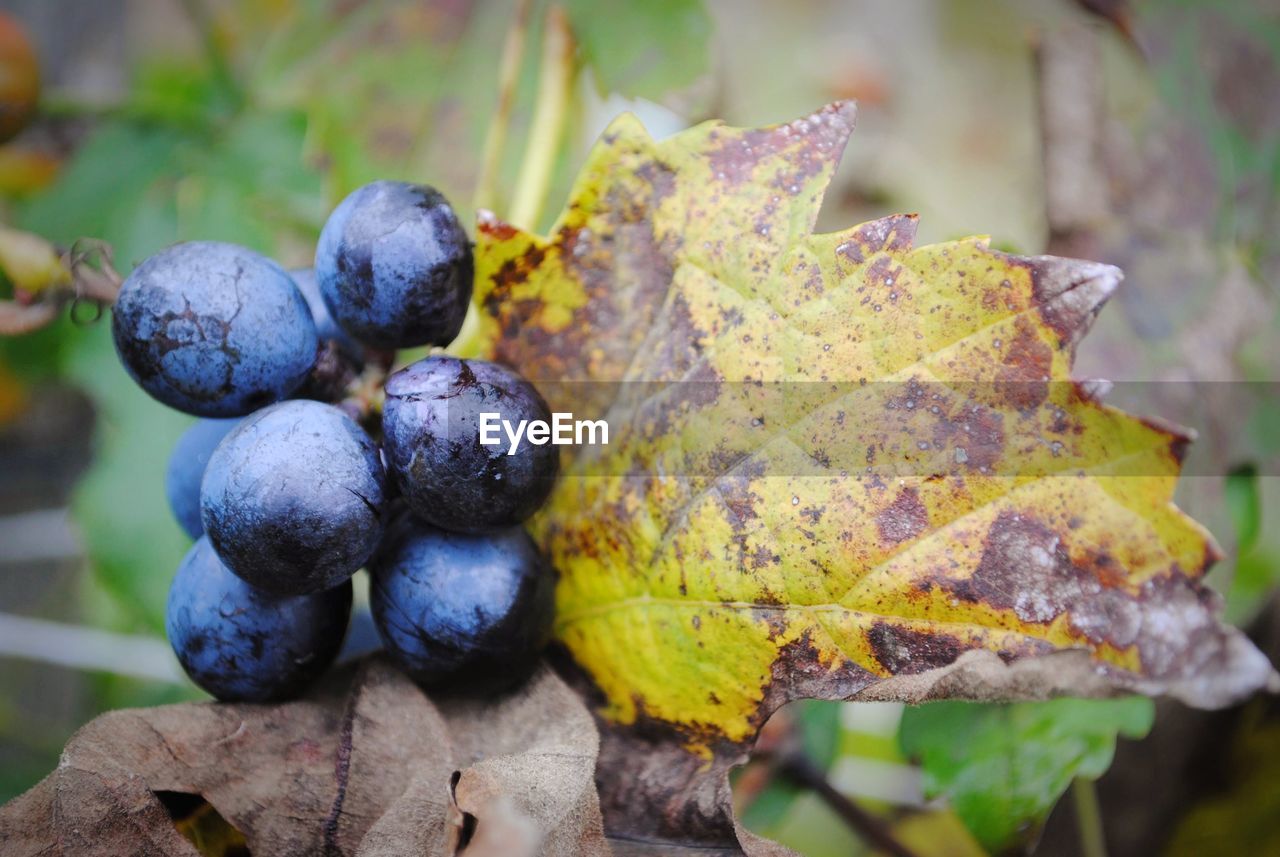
{"x": 631, "y": 50}
{"x": 1003, "y": 767}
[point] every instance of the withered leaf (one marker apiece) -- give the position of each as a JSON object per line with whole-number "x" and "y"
{"x": 840, "y": 466}
{"x": 364, "y": 766}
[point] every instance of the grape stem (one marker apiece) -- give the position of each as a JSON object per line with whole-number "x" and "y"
{"x": 496, "y": 137}
{"x": 17, "y": 319}
{"x": 94, "y": 281}
{"x": 365, "y": 395}
{"x": 555, "y": 89}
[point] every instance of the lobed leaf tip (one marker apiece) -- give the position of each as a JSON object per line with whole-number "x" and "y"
{"x": 625, "y": 125}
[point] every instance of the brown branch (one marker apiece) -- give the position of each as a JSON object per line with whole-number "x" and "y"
{"x": 1077, "y": 197}
{"x": 801, "y": 770}
{"x": 94, "y": 281}
{"x": 93, "y": 270}
{"x": 17, "y": 319}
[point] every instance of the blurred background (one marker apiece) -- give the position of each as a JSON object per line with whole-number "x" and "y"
{"x": 1145, "y": 134}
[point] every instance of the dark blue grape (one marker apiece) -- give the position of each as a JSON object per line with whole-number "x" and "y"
{"x": 431, "y": 435}
{"x": 292, "y": 499}
{"x": 394, "y": 266}
{"x": 461, "y": 608}
{"x": 214, "y": 329}
{"x": 245, "y": 645}
{"x": 187, "y": 462}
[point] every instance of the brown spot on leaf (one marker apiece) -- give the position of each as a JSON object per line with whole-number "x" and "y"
{"x": 894, "y": 233}
{"x": 974, "y": 433}
{"x": 903, "y": 651}
{"x": 1068, "y": 293}
{"x": 903, "y": 519}
{"x": 735, "y": 157}
{"x": 1024, "y": 568}
{"x": 1023, "y": 379}
{"x": 500, "y": 230}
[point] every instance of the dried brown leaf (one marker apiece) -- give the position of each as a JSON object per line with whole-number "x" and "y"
{"x": 364, "y": 766}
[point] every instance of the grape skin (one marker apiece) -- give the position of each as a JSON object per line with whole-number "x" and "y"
{"x": 326, "y": 328}
{"x": 214, "y": 329}
{"x": 187, "y": 463}
{"x": 431, "y": 429}
{"x": 394, "y": 266}
{"x": 241, "y": 644}
{"x": 292, "y": 499}
{"x": 461, "y": 608}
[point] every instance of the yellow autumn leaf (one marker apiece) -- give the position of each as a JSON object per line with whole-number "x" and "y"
{"x": 840, "y": 465}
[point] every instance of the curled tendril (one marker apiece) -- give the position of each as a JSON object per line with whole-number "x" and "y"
{"x": 76, "y": 313}
{"x": 94, "y": 283}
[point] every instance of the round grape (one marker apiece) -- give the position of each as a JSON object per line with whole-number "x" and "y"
{"x": 292, "y": 499}
{"x": 245, "y": 645}
{"x": 326, "y": 328}
{"x": 214, "y": 329}
{"x": 431, "y": 425}
{"x": 394, "y": 266}
{"x": 187, "y": 462}
{"x": 461, "y": 608}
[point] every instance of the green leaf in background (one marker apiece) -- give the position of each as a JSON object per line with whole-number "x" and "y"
{"x": 1257, "y": 568}
{"x": 1003, "y": 767}
{"x": 105, "y": 188}
{"x": 386, "y": 86}
{"x": 642, "y": 50}
{"x": 1244, "y": 504}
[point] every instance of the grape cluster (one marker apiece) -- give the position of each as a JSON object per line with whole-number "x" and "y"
{"x": 289, "y": 489}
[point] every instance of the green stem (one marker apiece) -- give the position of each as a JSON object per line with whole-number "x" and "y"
{"x": 496, "y": 138}
{"x": 1093, "y": 842}
{"x": 555, "y": 89}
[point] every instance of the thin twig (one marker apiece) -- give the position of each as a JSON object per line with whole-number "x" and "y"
{"x": 93, "y": 271}
{"x": 1077, "y": 198}
{"x": 1093, "y": 840}
{"x": 17, "y": 319}
{"x": 93, "y": 281}
{"x": 555, "y": 88}
{"x": 802, "y": 771}
{"x": 496, "y": 138}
